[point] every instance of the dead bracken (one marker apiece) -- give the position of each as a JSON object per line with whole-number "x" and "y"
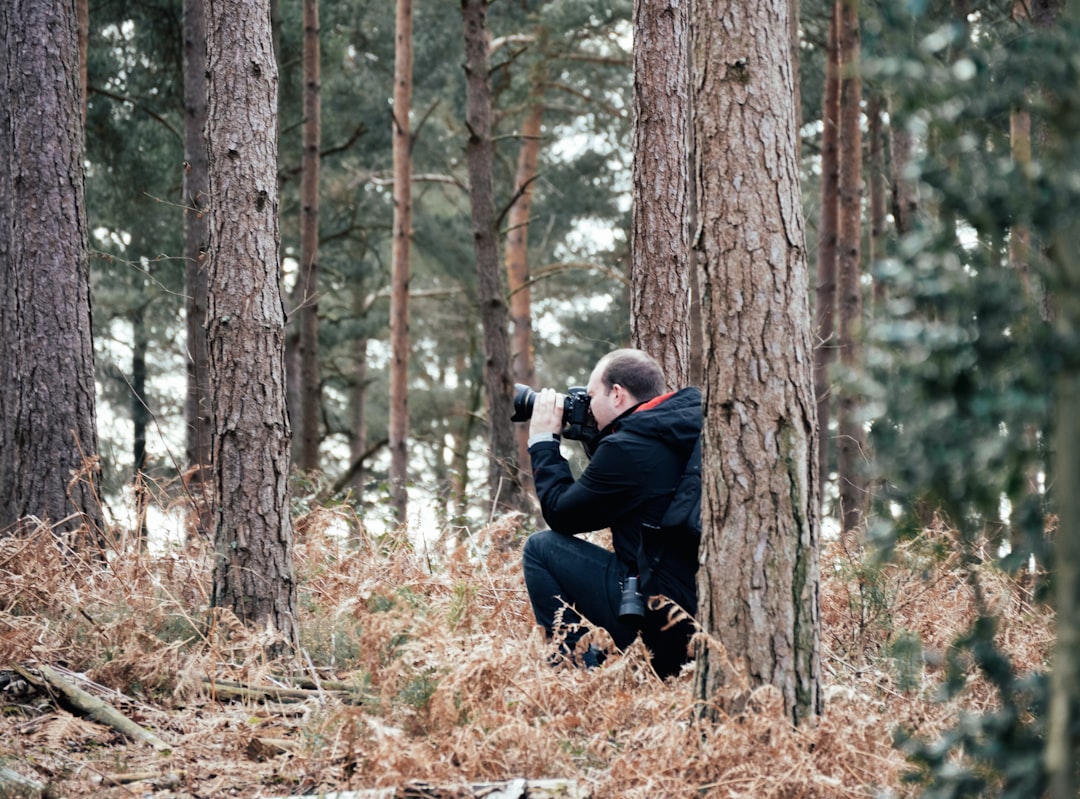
{"x": 421, "y": 667}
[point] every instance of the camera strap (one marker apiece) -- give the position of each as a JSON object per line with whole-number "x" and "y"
{"x": 647, "y": 565}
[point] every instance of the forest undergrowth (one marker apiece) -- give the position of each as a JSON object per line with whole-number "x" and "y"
{"x": 422, "y": 665}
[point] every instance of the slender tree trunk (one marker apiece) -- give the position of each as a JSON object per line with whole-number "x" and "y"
{"x": 825, "y": 293}
{"x": 1063, "y": 742}
{"x": 517, "y": 271}
{"x": 308, "y": 278}
{"x": 358, "y": 406}
{"x": 504, "y": 486}
{"x": 197, "y": 413}
{"x": 659, "y": 233}
{"x": 758, "y": 585}
{"x": 48, "y": 424}
{"x": 904, "y": 199}
{"x": 850, "y": 450}
{"x": 140, "y": 418}
{"x": 876, "y": 187}
{"x": 253, "y": 571}
{"x": 399, "y": 297}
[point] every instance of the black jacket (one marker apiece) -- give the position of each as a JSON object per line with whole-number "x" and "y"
{"x": 636, "y": 463}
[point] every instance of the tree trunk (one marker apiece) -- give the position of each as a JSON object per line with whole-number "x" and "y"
{"x": 399, "y": 296}
{"x": 825, "y": 292}
{"x": 253, "y": 571}
{"x": 850, "y": 448}
{"x": 310, "y": 409}
{"x": 48, "y": 425}
{"x": 197, "y": 412}
{"x": 1063, "y": 742}
{"x": 358, "y": 408}
{"x": 517, "y": 271}
{"x": 758, "y": 585}
{"x": 876, "y": 187}
{"x": 904, "y": 198}
{"x": 505, "y": 489}
{"x": 660, "y": 233}
{"x": 140, "y": 419}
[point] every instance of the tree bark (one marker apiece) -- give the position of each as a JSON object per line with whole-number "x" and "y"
{"x": 517, "y": 270}
{"x": 505, "y": 488}
{"x": 399, "y": 296}
{"x": 850, "y": 445}
{"x": 660, "y": 259}
{"x": 758, "y": 585}
{"x": 253, "y": 571}
{"x": 825, "y": 292}
{"x": 310, "y": 392}
{"x": 48, "y": 425}
{"x": 197, "y": 411}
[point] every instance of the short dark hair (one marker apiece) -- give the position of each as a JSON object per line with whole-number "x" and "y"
{"x": 634, "y": 370}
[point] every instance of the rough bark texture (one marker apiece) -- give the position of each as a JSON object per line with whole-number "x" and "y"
{"x": 758, "y": 585}
{"x": 825, "y": 304}
{"x": 253, "y": 571}
{"x": 851, "y": 467}
{"x": 660, "y": 227}
{"x": 197, "y": 413}
{"x": 506, "y": 490}
{"x": 399, "y": 292}
{"x": 310, "y": 387}
{"x": 48, "y": 424}
{"x": 517, "y": 270}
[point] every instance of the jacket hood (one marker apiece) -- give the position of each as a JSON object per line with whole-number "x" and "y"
{"x": 674, "y": 419}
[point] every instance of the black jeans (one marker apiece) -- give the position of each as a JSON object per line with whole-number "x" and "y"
{"x": 563, "y": 570}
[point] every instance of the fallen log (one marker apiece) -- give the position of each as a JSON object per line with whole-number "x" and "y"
{"x": 509, "y": 789}
{"x": 14, "y": 785}
{"x": 95, "y": 709}
{"x": 225, "y": 689}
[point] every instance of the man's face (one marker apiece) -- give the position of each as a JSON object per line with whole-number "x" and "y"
{"x": 606, "y": 404}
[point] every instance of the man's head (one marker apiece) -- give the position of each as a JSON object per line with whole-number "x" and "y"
{"x": 622, "y": 379}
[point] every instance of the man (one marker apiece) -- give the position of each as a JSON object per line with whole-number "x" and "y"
{"x": 644, "y": 442}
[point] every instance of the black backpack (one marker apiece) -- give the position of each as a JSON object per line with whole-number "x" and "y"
{"x": 682, "y": 518}
{"x": 684, "y": 512}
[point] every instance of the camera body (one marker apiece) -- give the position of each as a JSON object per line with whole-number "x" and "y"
{"x": 577, "y": 419}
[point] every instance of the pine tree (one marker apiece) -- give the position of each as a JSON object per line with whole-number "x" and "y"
{"x": 759, "y": 500}
{"x": 253, "y": 572}
{"x": 48, "y": 431}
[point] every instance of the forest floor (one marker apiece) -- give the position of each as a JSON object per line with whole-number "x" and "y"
{"x": 423, "y": 668}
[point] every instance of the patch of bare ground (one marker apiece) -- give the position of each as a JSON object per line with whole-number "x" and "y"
{"x": 423, "y": 667}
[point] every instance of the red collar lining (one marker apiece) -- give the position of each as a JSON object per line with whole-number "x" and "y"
{"x": 648, "y": 406}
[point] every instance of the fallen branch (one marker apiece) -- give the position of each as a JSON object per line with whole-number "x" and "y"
{"x": 14, "y": 785}
{"x": 224, "y": 689}
{"x": 96, "y": 709}
{"x": 510, "y": 789}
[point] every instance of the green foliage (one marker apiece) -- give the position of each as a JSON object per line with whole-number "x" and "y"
{"x": 997, "y": 753}
{"x": 964, "y": 355}
{"x": 960, "y": 372}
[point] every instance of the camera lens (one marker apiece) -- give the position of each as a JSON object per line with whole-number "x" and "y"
{"x": 631, "y": 603}
{"x": 523, "y": 403}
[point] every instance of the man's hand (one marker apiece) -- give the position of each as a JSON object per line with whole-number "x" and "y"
{"x": 547, "y": 412}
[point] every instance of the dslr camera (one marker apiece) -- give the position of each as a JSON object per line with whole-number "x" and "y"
{"x": 577, "y": 418}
